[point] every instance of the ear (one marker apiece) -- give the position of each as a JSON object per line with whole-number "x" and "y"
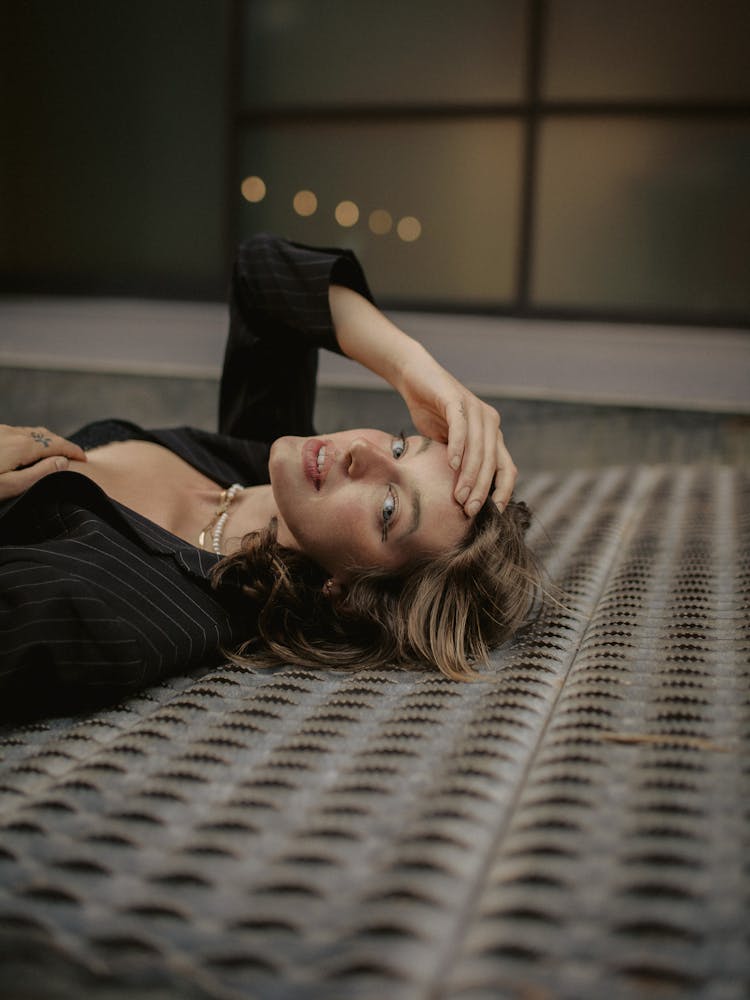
{"x": 333, "y": 589}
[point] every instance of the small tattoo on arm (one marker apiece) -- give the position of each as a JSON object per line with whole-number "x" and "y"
{"x": 41, "y": 438}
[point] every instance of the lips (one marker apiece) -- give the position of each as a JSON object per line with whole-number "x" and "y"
{"x": 317, "y": 457}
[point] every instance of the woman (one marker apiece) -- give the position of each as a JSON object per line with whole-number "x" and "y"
{"x": 149, "y": 552}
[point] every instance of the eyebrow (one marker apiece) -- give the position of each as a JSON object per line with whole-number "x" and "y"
{"x": 416, "y": 496}
{"x": 416, "y": 511}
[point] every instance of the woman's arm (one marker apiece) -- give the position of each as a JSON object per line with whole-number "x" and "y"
{"x": 287, "y": 301}
{"x": 30, "y": 453}
{"x": 279, "y": 317}
{"x": 440, "y": 406}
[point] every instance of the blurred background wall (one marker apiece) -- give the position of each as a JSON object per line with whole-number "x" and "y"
{"x": 113, "y": 151}
{"x": 544, "y": 166}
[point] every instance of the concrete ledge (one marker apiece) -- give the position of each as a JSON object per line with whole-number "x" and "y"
{"x": 686, "y": 368}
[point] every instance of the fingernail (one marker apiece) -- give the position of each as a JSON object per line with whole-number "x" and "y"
{"x": 473, "y": 508}
{"x": 463, "y": 494}
{"x": 61, "y": 463}
{"x": 455, "y": 462}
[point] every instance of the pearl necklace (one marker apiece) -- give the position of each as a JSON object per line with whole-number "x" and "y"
{"x": 219, "y": 519}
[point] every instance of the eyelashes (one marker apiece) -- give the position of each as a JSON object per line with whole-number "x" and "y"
{"x": 399, "y": 446}
{"x": 390, "y": 507}
{"x": 399, "y": 442}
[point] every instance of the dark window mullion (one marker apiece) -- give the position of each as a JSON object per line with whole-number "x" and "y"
{"x": 535, "y": 30}
{"x": 233, "y": 127}
{"x": 644, "y": 109}
{"x": 377, "y": 112}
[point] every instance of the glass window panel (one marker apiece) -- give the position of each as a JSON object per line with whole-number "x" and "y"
{"x": 458, "y": 178}
{"x": 315, "y": 52}
{"x": 642, "y": 49}
{"x": 643, "y": 214}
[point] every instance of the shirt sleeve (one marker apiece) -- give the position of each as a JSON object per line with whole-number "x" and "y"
{"x": 279, "y": 318}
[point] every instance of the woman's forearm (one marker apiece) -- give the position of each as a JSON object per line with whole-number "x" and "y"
{"x": 366, "y": 335}
{"x": 440, "y": 406}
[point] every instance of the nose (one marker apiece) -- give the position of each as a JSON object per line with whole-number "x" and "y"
{"x": 367, "y": 459}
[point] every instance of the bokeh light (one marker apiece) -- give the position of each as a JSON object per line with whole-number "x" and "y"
{"x": 380, "y": 222}
{"x": 305, "y": 203}
{"x": 253, "y": 189}
{"x": 347, "y": 213}
{"x": 409, "y": 229}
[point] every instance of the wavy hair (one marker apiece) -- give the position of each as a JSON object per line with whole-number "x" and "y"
{"x": 447, "y": 610}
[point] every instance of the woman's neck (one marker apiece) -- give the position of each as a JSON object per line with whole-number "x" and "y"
{"x": 252, "y": 510}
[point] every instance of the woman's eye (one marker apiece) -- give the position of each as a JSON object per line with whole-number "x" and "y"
{"x": 398, "y": 445}
{"x": 390, "y": 506}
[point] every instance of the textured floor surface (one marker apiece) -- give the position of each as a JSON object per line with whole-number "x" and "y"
{"x": 576, "y": 824}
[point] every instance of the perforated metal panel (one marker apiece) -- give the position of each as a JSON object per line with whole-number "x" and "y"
{"x": 576, "y": 824}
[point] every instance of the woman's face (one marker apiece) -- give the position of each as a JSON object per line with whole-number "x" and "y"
{"x": 363, "y": 498}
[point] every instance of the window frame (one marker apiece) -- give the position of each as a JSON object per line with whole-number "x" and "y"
{"x": 531, "y": 112}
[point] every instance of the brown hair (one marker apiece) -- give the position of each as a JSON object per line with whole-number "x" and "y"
{"x": 446, "y": 610}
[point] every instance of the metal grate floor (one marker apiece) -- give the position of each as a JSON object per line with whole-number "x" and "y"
{"x": 576, "y": 824}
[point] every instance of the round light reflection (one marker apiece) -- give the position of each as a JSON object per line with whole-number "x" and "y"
{"x": 409, "y": 229}
{"x": 305, "y": 203}
{"x": 347, "y": 214}
{"x": 253, "y": 189}
{"x": 380, "y": 222}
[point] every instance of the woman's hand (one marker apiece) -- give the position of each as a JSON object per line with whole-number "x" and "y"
{"x": 440, "y": 406}
{"x": 27, "y": 454}
{"x": 444, "y": 409}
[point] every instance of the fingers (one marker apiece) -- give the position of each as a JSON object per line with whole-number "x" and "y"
{"x": 476, "y": 449}
{"x": 457, "y": 430}
{"x": 12, "y": 484}
{"x": 486, "y": 471}
{"x": 20, "y": 446}
{"x": 70, "y": 450}
{"x": 45, "y": 443}
{"x": 480, "y": 431}
{"x": 27, "y": 454}
{"x": 505, "y": 478}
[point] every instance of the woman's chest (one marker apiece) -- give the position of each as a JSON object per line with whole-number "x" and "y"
{"x": 156, "y": 483}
